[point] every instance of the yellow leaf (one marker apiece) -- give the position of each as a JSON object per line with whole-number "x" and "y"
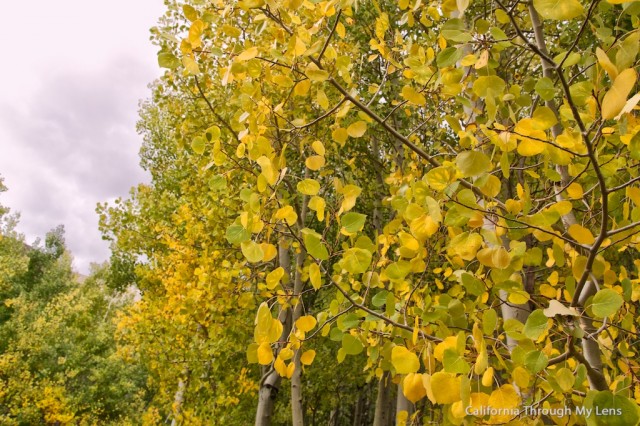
{"x": 350, "y": 194}
{"x": 606, "y": 64}
{"x": 575, "y": 191}
{"x": 581, "y": 234}
{"x": 283, "y": 80}
{"x": 317, "y": 204}
{"x": 273, "y": 277}
{"x": 558, "y": 10}
{"x": 404, "y": 361}
{"x": 307, "y": 357}
{"x": 314, "y": 276}
{"x": 616, "y": 98}
{"x": 252, "y": 251}
{"x": 286, "y": 354}
{"x": 315, "y": 162}
{"x": 306, "y": 323}
{"x": 290, "y": 369}
{"x": 357, "y": 129}
{"x": 265, "y": 354}
{"x": 302, "y": 88}
{"x": 413, "y": 387}
{"x": 530, "y": 147}
{"x": 340, "y": 135}
{"x": 521, "y": 377}
{"x": 250, "y": 53}
{"x": 423, "y": 227}
{"x": 413, "y": 96}
{"x": 316, "y": 74}
{"x": 308, "y": 186}
{"x": 500, "y": 258}
{"x": 450, "y": 342}
{"x": 269, "y": 251}
{"x": 445, "y": 387}
{"x": 487, "y": 377}
{"x": 318, "y": 147}
{"x": 322, "y": 99}
{"x": 288, "y": 214}
{"x": 506, "y": 399}
{"x": 191, "y": 65}
{"x": 280, "y": 367}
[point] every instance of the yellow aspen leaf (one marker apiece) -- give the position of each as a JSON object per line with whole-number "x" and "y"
{"x": 350, "y": 193}
{"x": 472, "y": 163}
{"x": 283, "y": 80}
{"x": 575, "y": 191}
{"x": 316, "y": 74}
{"x": 485, "y": 256}
{"x": 265, "y": 354}
{"x": 315, "y": 162}
{"x": 478, "y": 403}
{"x": 505, "y": 398}
{"x": 413, "y": 96}
{"x": 487, "y": 377}
{"x": 280, "y": 367}
{"x": 440, "y": 178}
{"x": 521, "y": 377}
{"x": 273, "y": 277}
{"x": 308, "y": 187}
{"x": 445, "y": 388}
{"x": 606, "y": 64}
{"x": 629, "y": 106}
{"x": 306, "y": 323}
{"x": 268, "y": 171}
{"x": 288, "y": 214}
{"x": 317, "y": 204}
{"x": 481, "y": 362}
{"x": 270, "y": 251}
{"x": 191, "y": 65}
{"x": 318, "y": 148}
{"x": 299, "y": 47}
{"x": 286, "y": 354}
{"x": 195, "y": 31}
{"x": 357, "y": 129}
{"x": 530, "y": 147}
{"x": 252, "y": 251}
{"x": 450, "y": 342}
{"x": 291, "y": 368}
{"x": 404, "y": 361}
{"x": 413, "y": 387}
{"x": 248, "y": 54}
{"x": 483, "y": 59}
{"x": 314, "y": 276}
{"x": 543, "y": 118}
{"x": 423, "y": 227}
{"x": 492, "y": 186}
{"x": 616, "y": 98}
{"x": 558, "y": 10}
{"x": 634, "y": 194}
{"x": 581, "y": 234}
{"x": 302, "y": 88}
{"x": 501, "y": 258}
{"x": 340, "y": 135}
{"x": 322, "y": 99}
{"x": 340, "y": 30}
{"x": 307, "y": 357}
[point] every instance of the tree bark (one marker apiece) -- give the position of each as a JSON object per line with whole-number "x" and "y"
{"x": 383, "y": 410}
{"x": 403, "y": 404}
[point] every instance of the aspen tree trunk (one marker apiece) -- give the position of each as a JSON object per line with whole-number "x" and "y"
{"x": 590, "y": 348}
{"x": 403, "y": 404}
{"x": 383, "y": 401}
{"x": 270, "y": 383}
{"x": 297, "y": 413}
{"x": 178, "y": 398}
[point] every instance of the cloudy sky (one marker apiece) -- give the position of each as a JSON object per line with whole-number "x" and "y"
{"x": 71, "y": 76}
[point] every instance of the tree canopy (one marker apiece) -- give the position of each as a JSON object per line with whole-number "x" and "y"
{"x": 443, "y": 196}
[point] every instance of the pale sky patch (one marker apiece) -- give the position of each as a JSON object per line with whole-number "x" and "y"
{"x": 72, "y": 75}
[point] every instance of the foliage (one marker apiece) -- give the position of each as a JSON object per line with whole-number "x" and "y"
{"x": 446, "y": 190}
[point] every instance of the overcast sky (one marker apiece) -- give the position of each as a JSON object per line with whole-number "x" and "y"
{"x": 71, "y": 76}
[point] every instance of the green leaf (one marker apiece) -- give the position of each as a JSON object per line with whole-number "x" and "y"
{"x": 356, "y": 260}
{"x": 168, "y": 60}
{"x": 379, "y": 299}
{"x": 536, "y": 325}
{"x": 352, "y": 345}
{"x": 314, "y": 245}
{"x": 473, "y": 163}
{"x": 545, "y": 88}
{"x": 252, "y": 251}
{"x": 197, "y": 144}
{"x": 454, "y": 362}
{"x": 558, "y": 10}
{"x": 449, "y": 57}
{"x": 353, "y": 222}
{"x": 614, "y": 410}
{"x": 536, "y": 361}
{"x": 606, "y": 302}
{"x": 489, "y": 86}
{"x": 236, "y": 234}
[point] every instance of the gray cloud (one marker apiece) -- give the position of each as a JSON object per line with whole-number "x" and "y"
{"x": 71, "y": 145}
